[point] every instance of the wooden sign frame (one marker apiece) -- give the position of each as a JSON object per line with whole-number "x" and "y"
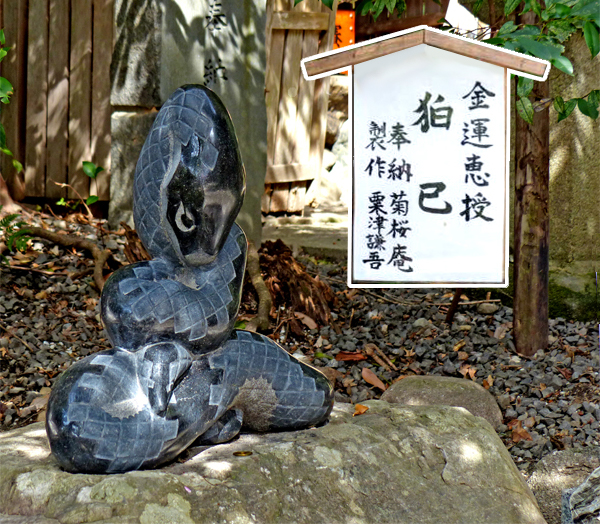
{"x": 346, "y": 58}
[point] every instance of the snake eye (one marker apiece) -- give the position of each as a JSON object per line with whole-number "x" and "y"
{"x": 184, "y": 219}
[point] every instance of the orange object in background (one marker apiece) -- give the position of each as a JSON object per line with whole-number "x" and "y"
{"x": 344, "y": 28}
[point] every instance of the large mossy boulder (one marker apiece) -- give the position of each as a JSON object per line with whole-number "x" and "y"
{"x": 392, "y": 464}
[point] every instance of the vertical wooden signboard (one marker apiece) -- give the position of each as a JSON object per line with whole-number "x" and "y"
{"x": 430, "y": 159}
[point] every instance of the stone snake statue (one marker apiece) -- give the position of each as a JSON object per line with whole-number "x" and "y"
{"x": 179, "y": 372}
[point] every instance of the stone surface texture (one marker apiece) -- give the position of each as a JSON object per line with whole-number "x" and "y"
{"x": 559, "y": 471}
{"x": 394, "y": 464}
{"x": 430, "y": 390}
{"x": 129, "y": 131}
{"x": 135, "y": 66}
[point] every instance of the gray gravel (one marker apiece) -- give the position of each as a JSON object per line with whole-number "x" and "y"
{"x": 49, "y": 318}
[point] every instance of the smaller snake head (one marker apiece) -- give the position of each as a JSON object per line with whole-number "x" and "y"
{"x": 190, "y": 179}
{"x": 202, "y": 204}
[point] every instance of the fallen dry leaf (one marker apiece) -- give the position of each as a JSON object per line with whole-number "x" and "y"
{"x": 488, "y": 382}
{"x": 459, "y": 345}
{"x": 463, "y": 355}
{"x": 520, "y": 433}
{"x": 373, "y": 379}
{"x": 359, "y": 409}
{"x": 350, "y": 356}
{"x": 466, "y": 369}
{"x": 306, "y": 320}
{"x": 331, "y": 374}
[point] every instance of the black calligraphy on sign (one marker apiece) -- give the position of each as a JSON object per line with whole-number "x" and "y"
{"x": 375, "y": 242}
{"x": 338, "y": 35}
{"x": 213, "y": 71}
{"x": 473, "y": 164}
{"x": 377, "y": 136}
{"x": 215, "y": 19}
{"x": 433, "y": 116}
{"x": 437, "y": 188}
{"x": 377, "y": 219}
{"x": 478, "y": 96}
{"x": 477, "y": 132}
{"x": 396, "y": 171}
{"x": 474, "y": 207}
{"x": 399, "y": 205}
{"x": 398, "y": 136}
{"x": 378, "y": 165}
{"x": 374, "y": 260}
{"x": 399, "y": 259}
{"x": 399, "y": 228}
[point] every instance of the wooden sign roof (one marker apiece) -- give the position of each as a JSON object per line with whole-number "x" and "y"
{"x": 326, "y": 64}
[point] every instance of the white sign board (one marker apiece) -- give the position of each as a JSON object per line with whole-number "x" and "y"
{"x": 430, "y": 191}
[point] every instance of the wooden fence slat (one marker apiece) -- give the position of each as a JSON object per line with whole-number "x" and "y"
{"x": 279, "y": 198}
{"x": 294, "y": 172}
{"x": 290, "y": 78}
{"x": 80, "y": 97}
{"x": 301, "y": 144}
{"x": 100, "y": 131}
{"x": 14, "y": 22}
{"x": 321, "y": 96}
{"x": 302, "y": 21}
{"x": 37, "y": 92}
{"x": 58, "y": 99}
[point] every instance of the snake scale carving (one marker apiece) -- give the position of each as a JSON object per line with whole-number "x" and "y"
{"x": 179, "y": 372}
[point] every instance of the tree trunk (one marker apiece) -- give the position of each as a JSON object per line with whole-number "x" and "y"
{"x": 531, "y": 234}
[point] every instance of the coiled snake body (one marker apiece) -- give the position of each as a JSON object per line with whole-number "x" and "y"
{"x": 179, "y": 371}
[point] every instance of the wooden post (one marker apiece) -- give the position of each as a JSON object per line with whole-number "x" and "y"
{"x": 532, "y": 175}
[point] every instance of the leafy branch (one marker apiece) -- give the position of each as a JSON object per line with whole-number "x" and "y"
{"x": 6, "y": 90}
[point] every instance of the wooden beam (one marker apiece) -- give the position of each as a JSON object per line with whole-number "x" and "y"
{"x": 285, "y": 173}
{"x": 303, "y": 21}
{"x": 358, "y": 55}
{"x": 490, "y": 55}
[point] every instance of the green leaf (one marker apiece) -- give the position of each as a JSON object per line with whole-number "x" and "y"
{"x": 2, "y": 136}
{"x": 562, "y": 63}
{"x": 2, "y": 37}
{"x": 6, "y": 89}
{"x": 507, "y": 28}
{"x": 477, "y": 6}
{"x": 495, "y": 41}
{"x": 91, "y": 200}
{"x": 525, "y": 109}
{"x": 296, "y": 2}
{"x": 323, "y": 355}
{"x": 561, "y": 29}
{"x": 6, "y": 151}
{"x": 17, "y": 165}
{"x": 510, "y": 6}
{"x": 89, "y": 168}
{"x": 591, "y": 38}
{"x": 3, "y": 53}
{"x": 569, "y": 106}
{"x": 524, "y": 86}
{"x": 239, "y": 324}
{"x": 328, "y": 3}
{"x": 559, "y": 104}
{"x": 594, "y": 97}
{"x": 528, "y": 30}
{"x": 561, "y": 11}
{"x": 542, "y": 50}
{"x": 62, "y": 202}
{"x": 587, "y": 109}
{"x": 587, "y": 9}
{"x": 532, "y": 5}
